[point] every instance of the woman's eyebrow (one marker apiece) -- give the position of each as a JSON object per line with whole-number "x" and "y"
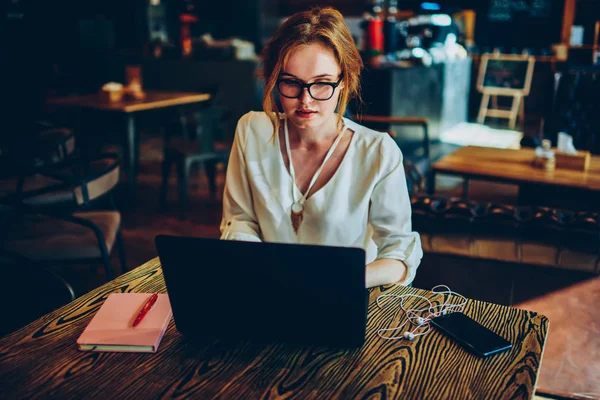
{"x": 314, "y": 77}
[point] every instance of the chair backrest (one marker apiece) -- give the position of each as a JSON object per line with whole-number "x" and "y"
{"x": 30, "y": 289}
{"x": 38, "y": 146}
{"x": 103, "y": 177}
{"x": 74, "y": 184}
{"x": 55, "y": 145}
{"x": 208, "y": 126}
{"x": 384, "y": 124}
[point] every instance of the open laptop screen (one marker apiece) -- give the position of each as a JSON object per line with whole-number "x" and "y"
{"x": 266, "y": 291}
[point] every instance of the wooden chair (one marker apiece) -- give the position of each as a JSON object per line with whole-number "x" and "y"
{"x": 19, "y": 163}
{"x": 417, "y": 171}
{"x": 44, "y": 229}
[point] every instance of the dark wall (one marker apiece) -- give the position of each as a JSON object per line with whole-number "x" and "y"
{"x": 504, "y": 23}
{"x": 67, "y": 45}
{"x": 27, "y": 64}
{"x": 225, "y": 19}
{"x": 587, "y": 13}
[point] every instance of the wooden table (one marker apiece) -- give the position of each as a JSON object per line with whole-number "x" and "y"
{"x": 152, "y": 101}
{"x": 572, "y": 354}
{"x": 42, "y": 360}
{"x": 515, "y": 167}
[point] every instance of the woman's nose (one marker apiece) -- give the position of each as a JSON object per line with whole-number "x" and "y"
{"x": 305, "y": 96}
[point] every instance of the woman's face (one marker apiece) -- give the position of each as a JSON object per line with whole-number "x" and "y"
{"x": 307, "y": 64}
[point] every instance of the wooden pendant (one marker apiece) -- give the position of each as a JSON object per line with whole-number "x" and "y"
{"x": 297, "y": 216}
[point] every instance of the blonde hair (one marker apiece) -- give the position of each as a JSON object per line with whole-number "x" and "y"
{"x": 322, "y": 25}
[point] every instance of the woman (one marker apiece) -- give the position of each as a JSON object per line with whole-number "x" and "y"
{"x": 304, "y": 174}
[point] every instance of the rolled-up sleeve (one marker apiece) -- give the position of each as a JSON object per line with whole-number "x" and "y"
{"x": 390, "y": 213}
{"x": 239, "y": 220}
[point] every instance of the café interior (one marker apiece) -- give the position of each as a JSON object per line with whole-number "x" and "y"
{"x": 120, "y": 116}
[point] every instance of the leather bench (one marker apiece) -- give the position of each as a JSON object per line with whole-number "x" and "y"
{"x": 511, "y": 243}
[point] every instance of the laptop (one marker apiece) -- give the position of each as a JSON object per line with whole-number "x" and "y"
{"x": 267, "y": 292}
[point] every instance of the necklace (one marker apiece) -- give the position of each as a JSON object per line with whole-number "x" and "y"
{"x": 297, "y": 209}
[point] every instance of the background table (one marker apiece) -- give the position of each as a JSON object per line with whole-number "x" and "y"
{"x": 42, "y": 360}
{"x": 553, "y": 188}
{"x": 153, "y": 100}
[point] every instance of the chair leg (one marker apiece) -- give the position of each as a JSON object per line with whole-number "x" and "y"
{"x": 103, "y": 252}
{"x": 164, "y": 187}
{"x": 430, "y": 185}
{"x": 121, "y": 246}
{"x": 211, "y": 175}
{"x": 93, "y": 268}
{"x": 183, "y": 171}
{"x": 106, "y": 260}
{"x": 195, "y": 171}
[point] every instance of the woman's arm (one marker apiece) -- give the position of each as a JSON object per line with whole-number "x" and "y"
{"x": 399, "y": 249}
{"x": 239, "y": 219}
{"x": 385, "y": 270}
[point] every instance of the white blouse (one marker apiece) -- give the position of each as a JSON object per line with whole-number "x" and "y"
{"x": 365, "y": 204}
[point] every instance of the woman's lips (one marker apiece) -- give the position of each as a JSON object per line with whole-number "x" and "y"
{"x": 305, "y": 113}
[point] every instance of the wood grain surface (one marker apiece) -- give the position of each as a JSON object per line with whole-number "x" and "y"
{"x": 152, "y": 100}
{"x": 41, "y": 360}
{"x": 515, "y": 166}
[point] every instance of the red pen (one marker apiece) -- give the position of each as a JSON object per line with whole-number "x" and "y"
{"x": 145, "y": 309}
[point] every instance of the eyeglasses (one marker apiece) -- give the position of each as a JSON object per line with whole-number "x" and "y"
{"x": 321, "y": 91}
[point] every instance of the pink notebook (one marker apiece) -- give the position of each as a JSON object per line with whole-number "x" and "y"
{"x": 111, "y": 328}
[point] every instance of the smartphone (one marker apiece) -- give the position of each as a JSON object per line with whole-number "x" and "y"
{"x": 471, "y": 334}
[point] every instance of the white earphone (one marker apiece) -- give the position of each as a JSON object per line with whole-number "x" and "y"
{"x": 413, "y": 317}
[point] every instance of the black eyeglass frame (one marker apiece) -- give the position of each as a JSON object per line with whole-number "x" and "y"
{"x": 334, "y": 85}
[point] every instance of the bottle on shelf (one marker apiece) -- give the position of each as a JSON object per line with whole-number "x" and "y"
{"x": 373, "y": 32}
{"x": 390, "y": 32}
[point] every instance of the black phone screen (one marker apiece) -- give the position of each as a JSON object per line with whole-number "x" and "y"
{"x": 471, "y": 334}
